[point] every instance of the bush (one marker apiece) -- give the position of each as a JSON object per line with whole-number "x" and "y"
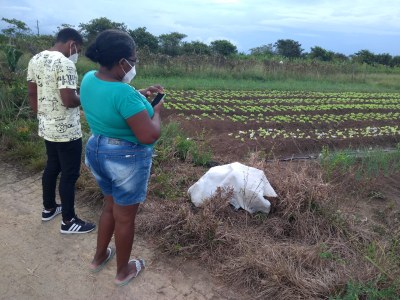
{"x": 12, "y": 56}
{"x": 174, "y": 143}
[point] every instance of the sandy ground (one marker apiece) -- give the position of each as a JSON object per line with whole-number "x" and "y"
{"x": 37, "y": 262}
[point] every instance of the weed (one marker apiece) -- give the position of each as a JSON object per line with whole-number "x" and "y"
{"x": 369, "y": 290}
{"x": 12, "y": 56}
{"x": 164, "y": 185}
{"x": 174, "y": 143}
{"x": 201, "y": 156}
{"x": 364, "y": 164}
{"x": 183, "y": 147}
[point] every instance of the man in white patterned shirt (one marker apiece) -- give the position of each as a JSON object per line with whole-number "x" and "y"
{"x": 52, "y": 82}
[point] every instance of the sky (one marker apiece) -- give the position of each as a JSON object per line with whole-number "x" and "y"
{"x": 343, "y": 26}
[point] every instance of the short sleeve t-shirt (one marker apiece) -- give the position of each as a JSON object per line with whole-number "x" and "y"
{"x": 107, "y": 105}
{"x": 52, "y": 71}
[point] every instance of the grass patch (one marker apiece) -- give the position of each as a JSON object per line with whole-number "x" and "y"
{"x": 19, "y": 142}
{"x": 365, "y": 164}
{"x": 174, "y": 143}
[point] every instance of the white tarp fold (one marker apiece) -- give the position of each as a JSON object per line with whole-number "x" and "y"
{"x": 250, "y": 185}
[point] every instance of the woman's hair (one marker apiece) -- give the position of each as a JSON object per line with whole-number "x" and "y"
{"x": 109, "y": 47}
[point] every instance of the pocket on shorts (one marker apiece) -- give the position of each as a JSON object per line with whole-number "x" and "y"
{"x": 120, "y": 166}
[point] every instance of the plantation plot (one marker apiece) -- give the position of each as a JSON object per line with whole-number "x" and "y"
{"x": 289, "y": 122}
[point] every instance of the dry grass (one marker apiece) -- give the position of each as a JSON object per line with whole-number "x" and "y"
{"x": 89, "y": 189}
{"x": 310, "y": 246}
{"x": 304, "y": 249}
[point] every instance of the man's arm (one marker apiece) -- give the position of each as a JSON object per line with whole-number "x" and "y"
{"x": 32, "y": 95}
{"x": 70, "y": 98}
{"x": 67, "y": 83}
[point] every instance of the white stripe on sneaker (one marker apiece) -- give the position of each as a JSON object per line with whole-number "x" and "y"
{"x": 74, "y": 227}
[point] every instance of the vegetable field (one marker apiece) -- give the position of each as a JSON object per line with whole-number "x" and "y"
{"x": 289, "y": 122}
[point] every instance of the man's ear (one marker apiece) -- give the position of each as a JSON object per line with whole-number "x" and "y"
{"x": 122, "y": 62}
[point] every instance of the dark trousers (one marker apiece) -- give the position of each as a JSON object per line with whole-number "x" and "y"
{"x": 64, "y": 157}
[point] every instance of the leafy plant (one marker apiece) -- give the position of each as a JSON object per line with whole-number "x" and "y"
{"x": 174, "y": 143}
{"x": 12, "y": 56}
{"x": 183, "y": 147}
{"x": 369, "y": 290}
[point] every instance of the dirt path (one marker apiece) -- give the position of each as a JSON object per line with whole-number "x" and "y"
{"x": 37, "y": 262}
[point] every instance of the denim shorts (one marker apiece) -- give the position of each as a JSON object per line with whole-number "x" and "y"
{"x": 121, "y": 168}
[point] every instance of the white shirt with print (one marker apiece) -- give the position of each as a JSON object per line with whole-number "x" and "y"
{"x": 52, "y": 71}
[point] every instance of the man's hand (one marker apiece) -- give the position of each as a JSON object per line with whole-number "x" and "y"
{"x": 70, "y": 98}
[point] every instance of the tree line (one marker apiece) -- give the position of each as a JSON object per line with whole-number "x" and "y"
{"x": 173, "y": 44}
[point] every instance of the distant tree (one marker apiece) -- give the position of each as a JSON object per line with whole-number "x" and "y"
{"x": 92, "y": 28}
{"x": 144, "y": 39}
{"x": 16, "y": 28}
{"x": 340, "y": 56}
{"x": 3, "y": 38}
{"x": 223, "y": 47}
{"x": 364, "y": 56}
{"x": 37, "y": 43}
{"x": 321, "y": 54}
{"x": 195, "y": 47}
{"x": 288, "y": 48}
{"x": 383, "y": 59}
{"x": 395, "y": 61}
{"x": 263, "y": 50}
{"x": 64, "y": 25}
{"x": 171, "y": 43}
{"x": 16, "y": 40}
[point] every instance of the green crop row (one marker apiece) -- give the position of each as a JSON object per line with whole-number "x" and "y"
{"x": 315, "y": 109}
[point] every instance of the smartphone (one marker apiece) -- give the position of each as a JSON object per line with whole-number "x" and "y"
{"x": 157, "y": 99}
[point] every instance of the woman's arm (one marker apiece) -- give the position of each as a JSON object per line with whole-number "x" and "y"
{"x": 146, "y": 130}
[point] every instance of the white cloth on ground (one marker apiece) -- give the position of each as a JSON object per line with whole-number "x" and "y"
{"x": 249, "y": 184}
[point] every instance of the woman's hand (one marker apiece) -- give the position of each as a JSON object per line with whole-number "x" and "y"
{"x": 158, "y": 107}
{"x": 154, "y": 89}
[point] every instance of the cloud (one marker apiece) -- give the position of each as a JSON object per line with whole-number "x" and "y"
{"x": 340, "y": 16}
{"x": 17, "y": 8}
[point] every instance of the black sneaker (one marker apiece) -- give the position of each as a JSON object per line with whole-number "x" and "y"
{"x": 76, "y": 226}
{"x": 47, "y": 215}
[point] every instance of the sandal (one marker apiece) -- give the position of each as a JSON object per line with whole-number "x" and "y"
{"x": 140, "y": 264}
{"x": 111, "y": 253}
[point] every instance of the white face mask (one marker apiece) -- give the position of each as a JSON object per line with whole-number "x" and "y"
{"x": 130, "y": 75}
{"x": 73, "y": 57}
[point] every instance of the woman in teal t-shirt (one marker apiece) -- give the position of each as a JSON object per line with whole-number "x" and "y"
{"x": 124, "y": 127}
